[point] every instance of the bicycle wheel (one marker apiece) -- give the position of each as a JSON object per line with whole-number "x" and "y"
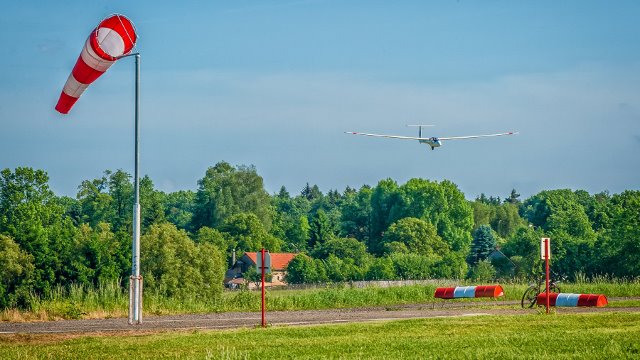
{"x": 529, "y": 297}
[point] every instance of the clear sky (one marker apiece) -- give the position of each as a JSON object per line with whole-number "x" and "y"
{"x": 276, "y": 83}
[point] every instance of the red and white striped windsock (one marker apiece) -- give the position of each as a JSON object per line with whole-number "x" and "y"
{"x": 113, "y": 37}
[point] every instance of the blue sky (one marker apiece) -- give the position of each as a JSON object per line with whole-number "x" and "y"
{"x": 276, "y": 83}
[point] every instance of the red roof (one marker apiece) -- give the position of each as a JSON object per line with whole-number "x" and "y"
{"x": 279, "y": 261}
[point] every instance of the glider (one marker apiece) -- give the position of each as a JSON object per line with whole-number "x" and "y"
{"x": 113, "y": 38}
{"x": 433, "y": 142}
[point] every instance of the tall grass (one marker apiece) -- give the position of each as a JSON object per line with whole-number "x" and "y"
{"x": 111, "y": 300}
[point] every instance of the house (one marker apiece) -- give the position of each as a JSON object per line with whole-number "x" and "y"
{"x": 279, "y": 262}
{"x": 501, "y": 262}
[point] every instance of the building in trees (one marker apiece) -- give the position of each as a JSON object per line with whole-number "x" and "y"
{"x": 244, "y": 270}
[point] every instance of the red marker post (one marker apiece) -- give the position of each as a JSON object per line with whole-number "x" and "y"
{"x": 263, "y": 263}
{"x": 545, "y": 254}
{"x": 264, "y": 320}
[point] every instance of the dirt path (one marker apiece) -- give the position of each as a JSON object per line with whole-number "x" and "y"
{"x": 234, "y": 320}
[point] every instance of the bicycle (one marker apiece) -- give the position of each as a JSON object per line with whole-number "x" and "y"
{"x": 530, "y": 295}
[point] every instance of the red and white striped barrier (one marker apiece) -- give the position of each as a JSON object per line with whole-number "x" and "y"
{"x": 113, "y": 37}
{"x": 492, "y": 291}
{"x": 566, "y": 299}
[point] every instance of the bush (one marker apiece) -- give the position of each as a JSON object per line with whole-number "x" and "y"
{"x": 175, "y": 266}
{"x": 483, "y": 271}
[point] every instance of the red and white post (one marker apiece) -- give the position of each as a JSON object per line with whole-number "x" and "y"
{"x": 545, "y": 248}
{"x": 264, "y": 319}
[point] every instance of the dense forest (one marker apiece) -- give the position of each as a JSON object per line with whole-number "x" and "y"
{"x": 418, "y": 230}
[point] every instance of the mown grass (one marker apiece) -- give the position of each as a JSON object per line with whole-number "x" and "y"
{"x": 109, "y": 300}
{"x": 579, "y": 336}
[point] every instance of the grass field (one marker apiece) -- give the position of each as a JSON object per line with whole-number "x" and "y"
{"x": 579, "y": 336}
{"x": 111, "y": 301}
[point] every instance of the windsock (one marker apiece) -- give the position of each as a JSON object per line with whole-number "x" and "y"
{"x": 115, "y": 36}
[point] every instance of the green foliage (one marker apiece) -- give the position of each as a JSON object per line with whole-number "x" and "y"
{"x": 246, "y": 233}
{"x": 381, "y": 269}
{"x": 442, "y": 205}
{"x": 412, "y": 266}
{"x": 176, "y": 266}
{"x": 420, "y": 229}
{"x": 418, "y": 236}
{"x": 623, "y": 246}
{"x": 151, "y": 204}
{"x": 179, "y": 207}
{"x": 225, "y": 191}
{"x": 482, "y": 272}
{"x": 290, "y": 220}
{"x": 320, "y": 229}
{"x": 16, "y": 274}
{"x": 561, "y": 216}
{"x": 524, "y": 250}
{"x": 214, "y": 237}
{"x": 386, "y": 208}
{"x": 34, "y": 218}
{"x": 99, "y": 256}
{"x": 355, "y": 214}
{"x": 484, "y": 242}
{"x": 302, "y": 269}
{"x": 343, "y": 248}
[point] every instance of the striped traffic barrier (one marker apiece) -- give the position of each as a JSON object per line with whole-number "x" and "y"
{"x": 566, "y": 299}
{"x": 492, "y": 291}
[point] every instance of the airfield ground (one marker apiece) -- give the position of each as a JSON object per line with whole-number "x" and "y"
{"x": 403, "y": 332}
{"x": 235, "y": 320}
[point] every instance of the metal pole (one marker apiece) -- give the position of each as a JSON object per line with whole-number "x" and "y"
{"x": 135, "y": 289}
{"x": 546, "y": 261}
{"x": 264, "y": 320}
{"x": 136, "y": 213}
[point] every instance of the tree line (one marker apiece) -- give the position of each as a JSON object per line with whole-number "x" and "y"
{"x": 417, "y": 230}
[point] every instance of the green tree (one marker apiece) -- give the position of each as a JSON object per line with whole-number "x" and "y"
{"x": 523, "y": 248}
{"x": 290, "y": 220}
{"x": 386, "y": 208}
{"x": 213, "y": 237}
{"x": 506, "y": 220}
{"x": 179, "y": 207}
{"x": 121, "y": 191}
{"x": 95, "y": 202}
{"x": 381, "y": 269}
{"x": 301, "y": 269}
{"x": 561, "y": 216}
{"x": 412, "y": 266}
{"x": 482, "y": 271}
{"x": 513, "y": 198}
{"x": 444, "y": 206}
{"x": 356, "y": 214}
{"x": 151, "y": 204}
{"x": 418, "y": 236}
{"x": 176, "y": 266}
{"x": 320, "y": 229}
{"x": 484, "y": 242}
{"x": 246, "y": 233}
{"x": 311, "y": 193}
{"x": 621, "y": 251}
{"x": 98, "y": 255}
{"x": 483, "y": 213}
{"x": 342, "y": 248}
{"x": 16, "y": 274}
{"x": 226, "y": 191}
{"x": 31, "y": 215}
